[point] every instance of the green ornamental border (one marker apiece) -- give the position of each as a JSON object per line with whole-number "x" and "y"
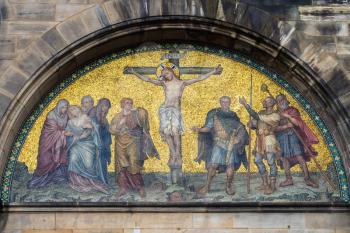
{"x": 8, "y": 174}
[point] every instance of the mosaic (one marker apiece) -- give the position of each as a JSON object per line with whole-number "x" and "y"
{"x": 174, "y": 123}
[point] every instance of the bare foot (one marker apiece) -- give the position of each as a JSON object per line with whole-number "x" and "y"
{"x": 203, "y": 190}
{"x": 171, "y": 161}
{"x": 287, "y": 182}
{"x": 260, "y": 187}
{"x": 268, "y": 190}
{"x": 178, "y": 162}
{"x": 311, "y": 183}
{"x": 230, "y": 191}
{"x": 142, "y": 193}
{"x": 121, "y": 193}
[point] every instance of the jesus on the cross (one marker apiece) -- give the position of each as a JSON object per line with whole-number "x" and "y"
{"x": 170, "y": 117}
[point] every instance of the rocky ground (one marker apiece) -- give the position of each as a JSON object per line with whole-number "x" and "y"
{"x": 159, "y": 190}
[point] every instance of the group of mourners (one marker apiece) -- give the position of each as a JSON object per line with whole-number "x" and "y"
{"x": 75, "y": 146}
{"x": 75, "y": 143}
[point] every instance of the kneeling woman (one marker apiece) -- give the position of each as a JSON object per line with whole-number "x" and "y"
{"x": 84, "y": 166}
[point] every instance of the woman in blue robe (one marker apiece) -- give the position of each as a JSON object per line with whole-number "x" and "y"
{"x": 84, "y": 166}
{"x": 100, "y": 118}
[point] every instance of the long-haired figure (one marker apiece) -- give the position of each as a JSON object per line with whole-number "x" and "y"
{"x": 52, "y": 156}
{"x": 85, "y": 170}
{"x": 101, "y": 121}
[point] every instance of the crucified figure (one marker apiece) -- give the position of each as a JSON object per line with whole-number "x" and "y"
{"x": 170, "y": 117}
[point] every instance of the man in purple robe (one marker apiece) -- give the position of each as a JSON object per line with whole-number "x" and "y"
{"x": 52, "y": 156}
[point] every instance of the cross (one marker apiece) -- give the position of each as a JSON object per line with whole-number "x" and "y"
{"x": 174, "y": 57}
{"x": 174, "y": 141}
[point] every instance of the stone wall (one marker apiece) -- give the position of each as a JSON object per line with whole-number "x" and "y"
{"x": 68, "y": 222}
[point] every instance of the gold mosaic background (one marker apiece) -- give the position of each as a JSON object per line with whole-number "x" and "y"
{"x": 109, "y": 81}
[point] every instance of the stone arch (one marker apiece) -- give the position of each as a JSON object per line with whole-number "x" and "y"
{"x": 117, "y": 24}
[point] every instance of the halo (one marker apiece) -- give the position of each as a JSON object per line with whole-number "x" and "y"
{"x": 167, "y": 65}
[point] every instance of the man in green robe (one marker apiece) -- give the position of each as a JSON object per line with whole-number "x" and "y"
{"x": 221, "y": 144}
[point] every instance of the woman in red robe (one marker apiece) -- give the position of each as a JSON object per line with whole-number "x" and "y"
{"x": 52, "y": 156}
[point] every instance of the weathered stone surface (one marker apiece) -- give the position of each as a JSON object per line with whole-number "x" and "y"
{"x": 327, "y": 220}
{"x": 23, "y": 41}
{"x": 229, "y": 11}
{"x": 272, "y": 230}
{"x": 205, "y": 221}
{"x": 345, "y": 61}
{"x": 72, "y": 29}
{"x": 12, "y": 80}
{"x": 271, "y": 220}
{"x": 7, "y": 47}
{"x": 210, "y": 7}
{"x": 175, "y": 7}
{"x": 45, "y": 221}
{"x": 339, "y": 82}
{"x": 342, "y": 230}
{"x": 314, "y": 28}
{"x": 4, "y": 64}
{"x": 54, "y": 39}
{"x": 47, "y": 231}
{"x": 154, "y": 230}
{"x": 34, "y": 57}
{"x": 163, "y": 220}
{"x": 4, "y": 103}
{"x": 284, "y": 33}
{"x": 311, "y": 231}
{"x": 94, "y": 18}
{"x": 33, "y": 11}
{"x": 12, "y": 231}
{"x": 330, "y": 13}
{"x": 24, "y": 27}
{"x": 256, "y": 19}
{"x": 216, "y": 231}
{"x": 63, "y": 11}
{"x": 120, "y": 10}
{"x": 343, "y": 46}
{"x": 81, "y": 221}
{"x": 101, "y": 231}
{"x": 195, "y": 8}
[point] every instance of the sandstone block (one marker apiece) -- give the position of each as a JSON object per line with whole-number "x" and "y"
{"x": 100, "y": 231}
{"x": 4, "y": 103}
{"x": 343, "y": 46}
{"x": 214, "y": 220}
{"x": 54, "y": 39}
{"x": 40, "y": 221}
{"x": 327, "y": 220}
{"x": 12, "y": 80}
{"x": 29, "y": 28}
{"x": 267, "y": 220}
{"x": 216, "y": 230}
{"x": 163, "y": 220}
{"x": 119, "y": 10}
{"x": 33, "y": 11}
{"x": 7, "y": 47}
{"x": 80, "y": 221}
{"x": 64, "y": 11}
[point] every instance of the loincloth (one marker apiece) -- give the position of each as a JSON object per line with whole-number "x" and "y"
{"x": 171, "y": 121}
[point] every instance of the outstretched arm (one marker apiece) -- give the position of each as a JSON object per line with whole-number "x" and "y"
{"x": 143, "y": 77}
{"x": 249, "y": 109}
{"x": 217, "y": 69}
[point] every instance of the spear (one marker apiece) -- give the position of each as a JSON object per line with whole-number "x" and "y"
{"x": 265, "y": 88}
{"x": 250, "y": 135}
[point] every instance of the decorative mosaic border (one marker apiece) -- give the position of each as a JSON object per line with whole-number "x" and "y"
{"x": 28, "y": 124}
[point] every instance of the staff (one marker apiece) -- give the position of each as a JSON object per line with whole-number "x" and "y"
{"x": 250, "y": 135}
{"x": 264, "y": 88}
